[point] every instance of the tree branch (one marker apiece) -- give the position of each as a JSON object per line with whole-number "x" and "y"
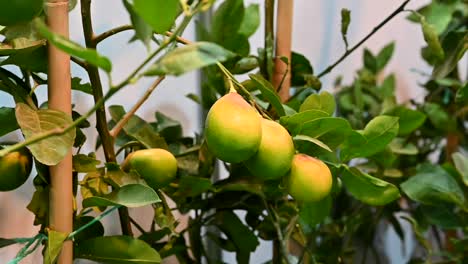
{"x": 111, "y": 32}
{"x": 400, "y": 9}
{"x": 118, "y": 127}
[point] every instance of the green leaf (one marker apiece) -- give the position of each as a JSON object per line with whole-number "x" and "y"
{"x": 4, "y": 242}
{"x": 51, "y": 150}
{"x": 313, "y": 213}
{"x": 330, "y": 130}
{"x": 117, "y": 250}
{"x": 250, "y": 21}
{"x": 442, "y": 216}
{"x": 313, "y": 140}
{"x": 408, "y": 119}
{"x": 370, "y": 61}
{"x": 323, "y": 101}
{"x": 377, "y": 134}
{"x": 294, "y": 122}
{"x": 8, "y": 120}
{"x": 368, "y": 189}
{"x": 437, "y": 13}
{"x": 384, "y": 56}
{"x": 400, "y": 146}
{"x": 159, "y": 14}
{"x": 462, "y": 94}
{"x": 300, "y": 69}
{"x": 432, "y": 185}
{"x": 345, "y": 20}
{"x": 95, "y": 230}
{"x": 461, "y": 163}
{"x": 244, "y": 65}
{"x": 72, "y": 48}
{"x": 454, "y": 45}
{"x": 167, "y": 127}
{"x": 268, "y": 91}
{"x": 130, "y": 195}
{"x": 84, "y": 163}
{"x": 227, "y": 20}
{"x": 190, "y": 57}
{"x": 439, "y": 117}
{"x": 143, "y": 31}
{"x": 54, "y": 245}
{"x": 432, "y": 39}
{"x": 34, "y": 60}
{"x": 242, "y": 237}
{"x": 138, "y": 129}
{"x": 83, "y": 87}
{"x": 193, "y": 186}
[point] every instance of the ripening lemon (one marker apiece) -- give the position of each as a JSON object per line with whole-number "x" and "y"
{"x": 158, "y": 167}
{"x": 233, "y": 129}
{"x": 274, "y": 156}
{"x": 19, "y": 11}
{"x": 15, "y": 168}
{"x": 309, "y": 180}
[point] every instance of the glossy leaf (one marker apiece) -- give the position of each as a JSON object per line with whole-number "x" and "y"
{"x": 377, "y": 134}
{"x": 330, "y": 130}
{"x": 294, "y": 122}
{"x": 143, "y": 31}
{"x": 8, "y": 120}
{"x": 461, "y": 163}
{"x": 108, "y": 249}
{"x": 130, "y": 195}
{"x": 383, "y": 57}
{"x": 138, "y": 129}
{"x": 432, "y": 185}
{"x": 268, "y": 91}
{"x": 190, "y": 57}
{"x": 313, "y": 140}
{"x": 159, "y": 14}
{"x": 300, "y": 69}
{"x": 51, "y": 150}
{"x": 324, "y": 101}
{"x": 368, "y": 189}
{"x": 54, "y": 245}
{"x": 227, "y": 20}
{"x": 408, "y": 119}
{"x": 74, "y": 49}
{"x": 250, "y": 21}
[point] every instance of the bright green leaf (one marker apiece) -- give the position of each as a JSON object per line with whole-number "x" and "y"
{"x": 461, "y": 163}
{"x": 384, "y": 56}
{"x": 323, "y": 101}
{"x": 143, "y": 31}
{"x": 408, "y": 119}
{"x": 54, "y": 245}
{"x": 227, "y": 20}
{"x": 377, "y": 134}
{"x": 368, "y": 189}
{"x": 250, "y": 21}
{"x": 159, "y": 14}
{"x": 130, "y": 195}
{"x": 74, "y": 49}
{"x": 330, "y": 130}
{"x": 294, "y": 122}
{"x": 432, "y": 185}
{"x": 190, "y": 57}
{"x": 313, "y": 140}
{"x": 432, "y": 39}
{"x": 399, "y": 146}
{"x": 117, "y": 250}
{"x": 268, "y": 91}
{"x": 51, "y": 150}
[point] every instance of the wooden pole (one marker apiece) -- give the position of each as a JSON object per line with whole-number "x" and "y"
{"x": 59, "y": 96}
{"x": 282, "y": 72}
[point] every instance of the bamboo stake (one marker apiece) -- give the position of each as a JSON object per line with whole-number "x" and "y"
{"x": 59, "y": 95}
{"x": 282, "y": 72}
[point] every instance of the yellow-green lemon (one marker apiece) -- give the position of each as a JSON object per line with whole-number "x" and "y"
{"x": 158, "y": 167}
{"x": 309, "y": 180}
{"x": 233, "y": 129}
{"x": 275, "y": 153}
{"x": 15, "y": 168}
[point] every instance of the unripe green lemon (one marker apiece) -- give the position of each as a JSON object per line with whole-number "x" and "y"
{"x": 158, "y": 167}
{"x": 275, "y": 153}
{"x": 309, "y": 180}
{"x": 15, "y": 168}
{"x": 19, "y": 11}
{"x": 233, "y": 129}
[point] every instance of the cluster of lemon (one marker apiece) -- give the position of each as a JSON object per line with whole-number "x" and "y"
{"x": 235, "y": 132}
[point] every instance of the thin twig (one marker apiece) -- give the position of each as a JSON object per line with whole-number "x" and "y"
{"x": 79, "y": 62}
{"x": 119, "y": 126}
{"x": 400, "y": 9}
{"x": 111, "y": 32}
{"x": 138, "y": 226}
